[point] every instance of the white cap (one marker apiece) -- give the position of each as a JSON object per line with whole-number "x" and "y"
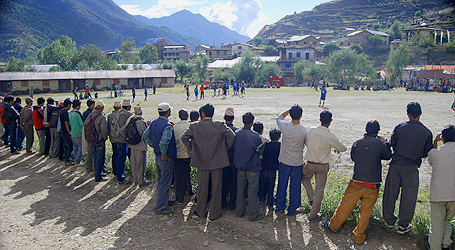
{"x": 164, "y": 106}
{"x": 99, "y": 104}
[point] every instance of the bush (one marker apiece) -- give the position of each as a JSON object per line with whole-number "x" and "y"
{"x": 450, "y": 47}
{"x": 425, "y": 43}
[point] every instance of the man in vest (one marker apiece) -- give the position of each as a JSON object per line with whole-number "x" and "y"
{"x": 87, "y": 147}
{"x": 160, "y": 136}
{"x": 122, "y": 145}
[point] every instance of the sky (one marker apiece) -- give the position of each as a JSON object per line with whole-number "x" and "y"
{"x": 247, "y": 17}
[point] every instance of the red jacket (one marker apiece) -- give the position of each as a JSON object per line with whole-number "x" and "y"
{"x": 38, "y": 117}
{"x": 2, "y": 110}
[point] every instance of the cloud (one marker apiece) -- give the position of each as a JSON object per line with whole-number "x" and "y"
{"x": 162, "y": 8}
{"x": 238, "y": 15}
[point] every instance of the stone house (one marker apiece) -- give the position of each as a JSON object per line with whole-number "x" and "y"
{"x": 159, "y": 43}
{"x": 240, "y": 48}
{"x": 361, "y": 37}
{"x": 176, "y": 52}
{"x": 215, "y": 54}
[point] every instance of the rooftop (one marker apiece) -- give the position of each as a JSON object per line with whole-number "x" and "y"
{"x": 152, "y": 40}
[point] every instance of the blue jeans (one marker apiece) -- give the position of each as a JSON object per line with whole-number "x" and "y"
{"x": 165, "y": 170}
{"x": 20, "y": 138}
{"x": 13, "y": 138}
{"x": 267, "y": 186}
{"x": 99, "y": 156}
{"x": 77, "y": 149}
{"x": 294, "y": 174}
{"x": 123, "y": 151}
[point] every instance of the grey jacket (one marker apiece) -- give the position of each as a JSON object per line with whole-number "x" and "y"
{"x": 208, "y": 142}
{"x": 123, "y": 116}
{"x": 100, "y": 124}
{"x": 26, "y": 116}
{"x": 141, "y": 126}
{"x": 110, "y": 119}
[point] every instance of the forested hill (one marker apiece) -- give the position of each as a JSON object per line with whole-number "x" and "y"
{"x": 197, "y": 26}
{"x": 28, "y": 25}
{"x": 330, "y": 19}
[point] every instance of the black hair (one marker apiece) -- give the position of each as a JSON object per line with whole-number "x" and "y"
{"x": 448, "y": 133}
{"x": 8, "y": 99}
{"x": 208, "y": 110}
{"x": 275, "y": 134}
{"x": 326, "y": 117}
{"x": 90, "y": 102}
{"x": 296, "y": 112}
{"x": 125, "y": 107}
{"x": 18, "y": 100}
{"x": 162, "y": 113}
{"x": 67, "y": 102}
{"x": 414, "y": 109}
{"x": 229, "y": 118}
{"x": 40, "y": 101}
{"x": 247, "y": 118}
{"x": 194, "y": 115}
{"x": 50, "y": 100}
{"x": 258, "y": 127}
{"x": 372, "y": 127}
{"x": 76, "y": 103}
{"x": 183, "y": 114}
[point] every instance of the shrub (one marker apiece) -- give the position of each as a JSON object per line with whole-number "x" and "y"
{"x": 450, "y": 47}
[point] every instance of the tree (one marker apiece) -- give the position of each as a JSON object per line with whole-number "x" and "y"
{"x": 15, "y": 65}
{"x": 267, "y": 70}
{"x": 357, "y": 48}
{"x": 166, "y": 64}
{"x": 201, "y": 67}
{"x": 60, "y": 52}
{"x": 271, "y": 42}
{"x": 128, "y": 51}
{"x": 257, "y": 41}
{"x": 183, "y": 68}
{"x": 148, "y": 54}
{"x": 350, "y": 67}
{"x": 329, "y": 48}
{"x": 395, "y": 31}
{"x": 376, "y": 40}
{"x": 299, "y": 68}
{"x": 396, "y": 61}
{"x": 247, "y": 68}
{"x": 271, "y": 51}
{"x": 220, "y": 75}
{"x": 308, "y": 69}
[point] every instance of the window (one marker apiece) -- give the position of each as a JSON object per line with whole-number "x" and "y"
{"x": 163, "y": 80}
{"x": 307, "y": 56}
{"x": 24, "y": 83}
{"x": 239, "y": 47}
{"x": 304, "y": 42}
{"x": 46, "y": 83}
{"x": 290, "y": 55}
{"x": 288, "y": 65}
{"x": 298, "y": 54}
{"x": 116, "y": 81}
{"x": 97, "y": 81}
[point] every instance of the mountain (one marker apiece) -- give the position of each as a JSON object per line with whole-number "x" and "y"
{"x": 28, "y": 25}
{"x": 197, "y": 26}
{"x": 330, "y": 20}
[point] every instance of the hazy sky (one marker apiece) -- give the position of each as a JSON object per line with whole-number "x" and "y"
{"x": 244, "y": 16}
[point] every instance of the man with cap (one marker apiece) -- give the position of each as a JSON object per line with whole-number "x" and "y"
{"x": 99, "y": 148}
{"x": 138, "y": 156}
{"x": 26, "y": 122}
{"x": 160, "y": 136}
{"x": 229, "y": 172}
{"x": 182, "y": 163}
{"x": 208, "y": 142}
{"x": 110, "y": 120}
{"x": 87, "y": 148}
{"x": 76, "y": 123}
{"x": 122, "y": 145}
{"x": 65, "y": 132}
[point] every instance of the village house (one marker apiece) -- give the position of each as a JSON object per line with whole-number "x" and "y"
{"x": 201, "y": 49}
{"x": 226, "y": 46}
{"x": 288, "y": 57}
{"x": 361, "y": 37}
{"x": 425, "y": 33}
{"x": 159, "y": 43}
{"x": 176, "y": 52}
{"x": 215, "y": 54}
{"x": 65, "y": 81}
{"x": 307, "y": 41}
{"x": 240, "y": 48}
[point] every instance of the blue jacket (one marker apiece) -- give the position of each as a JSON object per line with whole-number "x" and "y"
{"x": 156, "y": 132}
{"x": 246, "y": 150}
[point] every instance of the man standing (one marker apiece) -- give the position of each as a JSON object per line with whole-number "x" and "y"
{"x": 160, "y": 136}
{"x": 3, "y": 121}
{"x": 51, "y": 113}
{"x": 99, "y": 148}
{"x": 291, "y": 160}
{"x": 122, "y": 145}
{"x": 202, "y": 91}
{"x": 110, "y": 120}
{"x": 411, "y": 141}
{"x": 229, "y": 172}
{"x": 26, "y": 122}
{"x": 87, "y": 147}
{"x": 182, "y": 163}
{"x": 208, "y": 142}
{"x": 248, "y": 163}
{"x": 367, "y": 154}
{"x": 65, "y": 132}
{"x": 38, "y": 119}
{"x": 11, "y": 118}
{"x": 145, "y": 93}
{"x": 76, "y": 125}
{"x": 319, "y": 142}
{"x": 442, "y": 195}
{"x": 20, "y": 131}
{"x": 323, "y": 93}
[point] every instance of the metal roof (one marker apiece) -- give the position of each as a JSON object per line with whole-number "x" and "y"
{"x": 152, "y": 40}
{"x": 425, "y": 28}
{"x": 100, "y": 74}
{"x": 297, "y": 38}
{"x": 230, "y": 63}
{"x": 374, "y": 32}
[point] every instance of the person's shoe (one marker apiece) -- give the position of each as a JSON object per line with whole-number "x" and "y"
{"x": 278, "y": 210}
{"x": 171, "y": 203}
{"x": 317, "y": 218}
{"x": 15, "y": 153}
{"x": 326, "y": 224}
{"x": 106, "y": 172}
{"x": 390, "y": 226}
{"x": 178, "y": 203}
{"x": 102, "y": 179}
{"x": 260, "y": 217}
{"x": 405, "y": 229}
{"x": 145, "y": 183}
{"x": 124, "y": 182}
{"x": 293, "y": 213}
{"x": 69, "y": 163}
{"x": 164, "y": 211}
{"x": 446, "y": 247}
{"x": 30, "y": 153}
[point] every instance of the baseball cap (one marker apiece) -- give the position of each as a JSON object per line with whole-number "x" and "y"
{"x": 164, "y": 106}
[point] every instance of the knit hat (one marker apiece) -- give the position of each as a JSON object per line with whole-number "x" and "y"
{"x": 229, "y": 112}
{"x": 118, "y": 104}
{"x": 99, "y": 104}
{"x": 126, "y": 103}
{"x": 137, "y": 109}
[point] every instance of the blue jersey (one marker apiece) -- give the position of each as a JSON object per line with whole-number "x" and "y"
{"x": 323, "y": 93}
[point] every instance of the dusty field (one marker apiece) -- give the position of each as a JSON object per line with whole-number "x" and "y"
{"x": 45, "y": 205}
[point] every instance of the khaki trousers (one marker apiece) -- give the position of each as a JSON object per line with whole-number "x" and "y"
{"x": 441, "y": 213}
{"x": 138, "y": 165}
{"x": 352, "y": 195}
{"x": 315, "y": 196}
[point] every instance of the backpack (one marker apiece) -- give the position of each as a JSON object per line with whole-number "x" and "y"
{"x": 132, "y": 136}
{"x": 115, "y": 126}
{"x": 91, "y": 135}
{"x": 53, "y": 120}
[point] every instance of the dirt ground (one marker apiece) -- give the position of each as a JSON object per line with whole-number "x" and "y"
{"x": 46, "y": 205}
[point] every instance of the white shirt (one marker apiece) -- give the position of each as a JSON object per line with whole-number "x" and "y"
{"x": 319, "y": 143}
{"x": 293, "y": 142}
{"x": 442, "y": 161}
{"x": 179, "y": 129}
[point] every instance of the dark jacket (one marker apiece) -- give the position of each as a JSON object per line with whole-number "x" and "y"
{"x": 156, "y": 132}
{"x": 270, "y": 157}
{"x": 246, "y": 145}
{"x": 11, "y": 116}
{"x": 367, "y": 154}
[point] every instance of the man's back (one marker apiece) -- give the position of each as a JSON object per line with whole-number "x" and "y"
{"x": 442, "y": 161}
{"x": 293, "y": 142}
{"x": 179, "y": 129}
{"x": 246, "y": 157}
{"x": 110, "y": 119}
{"x": 319, "y": 142}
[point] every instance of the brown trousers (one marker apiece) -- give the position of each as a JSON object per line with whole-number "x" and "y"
{"x": 203, "y": 177}
{"x": 315, "y": 195}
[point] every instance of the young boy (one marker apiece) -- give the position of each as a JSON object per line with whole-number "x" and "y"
{"x": 258, "y": 127}
{"x": 269, "y": 167}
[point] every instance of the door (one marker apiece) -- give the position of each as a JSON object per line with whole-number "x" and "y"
{"x": 64, "y": 85}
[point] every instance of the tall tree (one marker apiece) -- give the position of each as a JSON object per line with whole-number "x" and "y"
{"x": 396, "y": 61}
{"x": 350, "y": 67}
{"x": 395, "y": 31}
{"x": 148, "y": 53}
{"x": 128, "y": 51}
{"x": 183, "y": 68}
{"x": 15, "y": 65}
{"x": 201, "y": 67}
{"x": 329, "y": 48}
{"x": 60, "y": 52}
{"x": 267, "y": 70}
{"x": 300, "y": 67}
{"x": 247, "y": 68}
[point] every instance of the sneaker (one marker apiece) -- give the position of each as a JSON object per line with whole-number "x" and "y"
{"x": 124, "y": 182}
{"x": 278, "y": 210}
{"x": 260, "y": 217}
{"x": 326, "y": 225}
{"x": 30, "y": 153}
{"x": 164, "y": 211}
{"x": 102, "y": 179}
{"x": 145, "y": 183}
{"x": 294, "y": 213}
{"x": 15, "y": 153}
{"x": 405, "y": 229}
{"x": 317, "y": 218}
{"x": 390, "y": 226}
{"x": 69, "y": 163}
{"x": 446, "y": 247}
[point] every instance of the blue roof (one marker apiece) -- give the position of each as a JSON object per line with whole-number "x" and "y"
{"x": 152, "y": 40}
